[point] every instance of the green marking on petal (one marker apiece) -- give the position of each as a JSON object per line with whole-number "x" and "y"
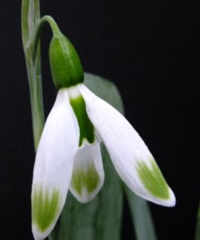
{"x": 45, "y": 207}
{"x": 153, "y": 180}
{"x": 85, "y": 179}
{"x": 85, "y": 125}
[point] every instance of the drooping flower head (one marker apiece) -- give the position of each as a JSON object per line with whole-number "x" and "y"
{"x": 69, "y": 158}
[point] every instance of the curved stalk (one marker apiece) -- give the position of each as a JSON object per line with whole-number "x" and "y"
{"x": 36, "y": 38}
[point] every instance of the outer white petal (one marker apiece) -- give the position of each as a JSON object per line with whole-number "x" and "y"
{"x": 131, "y": 157}
{"x": 53, "y": 166}
{"x": 88, "y": 173}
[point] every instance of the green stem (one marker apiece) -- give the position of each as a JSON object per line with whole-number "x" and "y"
{"x": 54, "y": 28}
{"x": 197, "y": 234}
{"x": 30, "y": 16}
{"x": 31, "y": 29}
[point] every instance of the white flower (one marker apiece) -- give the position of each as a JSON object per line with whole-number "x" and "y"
{"x": 69, "y": 157}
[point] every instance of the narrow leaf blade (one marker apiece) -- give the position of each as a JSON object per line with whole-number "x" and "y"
{"x": 141, "y": 217}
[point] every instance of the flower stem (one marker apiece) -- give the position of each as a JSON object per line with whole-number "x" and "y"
{"x": 30, "y": 17}
{"x": 36, "y": 37}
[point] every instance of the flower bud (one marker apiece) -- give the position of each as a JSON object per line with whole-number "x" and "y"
{"x": 65, "y": 63}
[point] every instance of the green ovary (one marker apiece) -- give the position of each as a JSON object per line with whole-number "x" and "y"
{"x": 153, "y": 180}
{"x": 85, "y": 179}
{"x": 85, "y": 125}
{"x": 45, "y": 207}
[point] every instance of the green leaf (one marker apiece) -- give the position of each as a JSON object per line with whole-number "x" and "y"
{"x": 197, "y": 230}
{"x": 141, "y": 216}
{"x": 99, "y": 219}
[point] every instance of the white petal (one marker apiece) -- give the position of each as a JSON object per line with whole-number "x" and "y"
{"x": 53, "y": 166}
{"x": 131, "y": 157}
{"x": 88, "y": 173}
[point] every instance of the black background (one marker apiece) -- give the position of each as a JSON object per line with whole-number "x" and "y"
{"x": 150, "y": 50}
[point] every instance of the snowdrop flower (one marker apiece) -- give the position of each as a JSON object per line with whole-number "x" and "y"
{"x": 69, "y": 158}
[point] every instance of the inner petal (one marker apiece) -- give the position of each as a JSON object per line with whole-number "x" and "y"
{"x": 88, "y": 173}
{"x": 85, "y": 126}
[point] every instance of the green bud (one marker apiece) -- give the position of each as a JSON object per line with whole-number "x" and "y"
{"x": 65, "y": 63}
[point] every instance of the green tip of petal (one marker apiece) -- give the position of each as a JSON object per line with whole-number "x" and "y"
{"x": 45, "y": 207}
{"x": 85, "y": 182}
{"x": 153, "y": 180}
